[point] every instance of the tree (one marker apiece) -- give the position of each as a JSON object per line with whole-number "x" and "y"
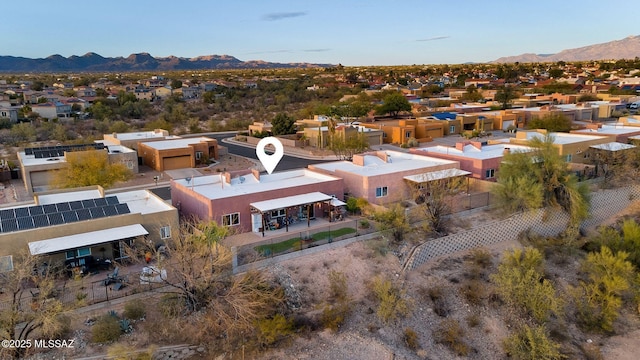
{"x": 433, "y": 197}
{"x": 91, "y": 167}
{"x": 556, "y": 73}
{"x": 394, "y": 103}
{"x": 344, "y": 149}
{"x": 394, "y": 221}
{"x": 283, "y": 124}
{"x": 23, "y": 133}
{"x": 224, "y": 305}
{"x": 472, "y": 94}
{"x": 551, "y": 123}
{"x": 176, "y": 84}
{"x": 41, "y": 314}
{"x": 504, "y": 95}
{"x": 529, "y": 180}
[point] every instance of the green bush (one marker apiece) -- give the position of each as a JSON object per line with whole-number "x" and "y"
{"x": 333, "y": 316}
{"x": 392, "y": 300}
{"x": 410, "y": 338}
{"x": 364, "y": 224}
{"x": 134, "y": 310}
{"x": 274, "y": 329}
{"x": 532, "y": 343}
{"x": 450, "y": 333}
{"x": 106, "y": 329}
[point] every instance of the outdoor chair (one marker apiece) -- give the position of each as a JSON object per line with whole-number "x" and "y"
{"x": 113, "y": 277}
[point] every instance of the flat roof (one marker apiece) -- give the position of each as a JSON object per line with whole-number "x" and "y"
{"x": 176, "y": 143}
{"x": 140, "y": 135}
{"x": 289, "y": 201}
{"x": 213, "y": 186}
{"x": 54, "y": 198}
{"x": 139, "y": 201}
{"x": 436, "y": 175}
{"x": 469, "y": 151}
{"x": 613, "y": 146}
{"x": 617, "y": 129}
{"x": 63, "y": 243}
{"x": 373, "y": 165}
{"x": 563, "y": 138}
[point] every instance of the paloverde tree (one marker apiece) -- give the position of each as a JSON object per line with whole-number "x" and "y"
{"x": 393, "y": 104}
{"x": 283, "y": 124}
{"x": 531, "y": 180}
{"x": 434, "y": 196}
{"x": 87, "y": 168}
{"x": 551, "y": 123}
{"x": 344, "y": 146}
{"x": 32, "y": 304}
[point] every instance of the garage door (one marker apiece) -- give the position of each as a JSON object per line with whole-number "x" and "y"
{"x": 506, "y": 124}
{"x": 176, "y": 162}
{"x": 40, "y": 178}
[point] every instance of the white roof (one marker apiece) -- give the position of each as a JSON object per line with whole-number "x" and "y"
{"x": 563, "y": 138}
{"x": 68, "y": 196}
{"x": 86, "y": 239}
{"x": 176, "y": 143}
{"x": 436, "y": 175}
{"x": 485, "y": 152}
{"x": 617, "y": 129}
{"x": 289, "y": 201}
{"x": 374, "y": 165}
{"x": 139, "y": 135}
{"x": 142, "y": 201}
{"x": 213, "y": 186}
{"x": 613, "y": 146}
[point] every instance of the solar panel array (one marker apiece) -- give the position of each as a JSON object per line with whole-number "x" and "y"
{"x": 59, "y": 150}
{"x": 38, "y": 216}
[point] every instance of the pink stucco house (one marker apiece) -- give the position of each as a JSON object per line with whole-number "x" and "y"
{"x": 482, "y": 161}
{"x": 250, "y": 201}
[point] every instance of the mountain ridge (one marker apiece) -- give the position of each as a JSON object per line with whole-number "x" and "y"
{"x": 142, "y": 61}
{"x": 627, "y": 48}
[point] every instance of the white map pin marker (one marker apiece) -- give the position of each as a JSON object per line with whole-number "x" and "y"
{"x": 269, "y": 161}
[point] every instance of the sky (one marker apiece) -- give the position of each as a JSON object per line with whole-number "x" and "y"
{"x": 347, "y": 32}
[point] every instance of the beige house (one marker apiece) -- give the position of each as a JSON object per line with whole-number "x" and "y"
{"x": 38, "y": 164}
{"x": 572, "y": 146}
{"x": 177, "y": 153}
{"x": 79, "y": 228}
{"x": 131, "y": 139}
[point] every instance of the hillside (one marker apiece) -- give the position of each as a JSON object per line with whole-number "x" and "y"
{"x": 627, "y": 48}
{"x": 136, "y": 62}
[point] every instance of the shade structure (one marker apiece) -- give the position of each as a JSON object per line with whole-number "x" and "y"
{"x": 290, "y": 201}
{"x": 75, "y": 241}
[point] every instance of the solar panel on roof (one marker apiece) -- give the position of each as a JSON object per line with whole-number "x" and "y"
{"x": 100, "y": 201}
{"x": 25, "y": 223}
{"x": 123, "y": 209}
{"x": 55, "y": 219}
{"x": 96, "y": 212}
{"x": 69, "y": 216}
{"x": 9, "y": 225}
{"x": 88, "y": 203}
{"x": 112, "y": 200}
{"x": 63, "y": 206}
{"x": 75, "y": 205}
{"x": 110, "y": 210}
{"x": 21, "y": 212}
{"x": 49, "y": 208}
{"x": 35, "y": 210}
{"x": 7, "y": 214}
{"x": 83, "y": 214}
{"x": 28, "y": 151}
{"x": 40, "y": 221}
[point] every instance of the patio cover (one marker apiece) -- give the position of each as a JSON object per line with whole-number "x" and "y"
{"x": 336, "y": 202}
{"x": 436, "y": 175}
{"x": 86, "y": 239}
{"x": 289, "y": 201}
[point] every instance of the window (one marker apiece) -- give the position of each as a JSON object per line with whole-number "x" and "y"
{"x": 490, "y": 173}
{"x": 231, "y": 219}
{"x": 384, "y": 135}
{"x": 569, "y": 157}
{"x": 72, "y": 254}
{"x": 165, "y": 232}
{"x": 278, "y": 213}
{"x": 407, "y": 134}
{"x": 198, "y": 155}
{"x": 452, "y": 128}
{"x": 381, "y": 191}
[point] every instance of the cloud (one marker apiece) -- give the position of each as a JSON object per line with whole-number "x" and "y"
{"x": 435, "y": 38}
{"x": 316, "y": 50}
{"x": 282, "y": 15}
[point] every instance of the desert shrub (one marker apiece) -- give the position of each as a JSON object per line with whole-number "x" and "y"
{"x": 450, "y": 333}
{"x": 274, "y": 329}
{"x": 393, "y": 302}
{"x": 520, "y": 283}
{"x": 106, "y": 329}
{"x": 473, "y": 320}
{"x": 364, "y": 224}
{"x": 436, "y": 294}
{"x": 134, "y": 310}
{"x": 338, "y": 286}
{"x": 333, "y": 316}
{"x": 473, "y": 291}
{"x": 481, "y": 258}
{"x": 532, "y": 343}
{"x": 63, "y": 328}
{"x": 170, "y": 305}
{"x": 599, "y": 299}
{"x": 410, "y": 338}
{"x": 379, "y": 246}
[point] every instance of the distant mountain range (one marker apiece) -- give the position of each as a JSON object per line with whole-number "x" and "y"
{"x": 136, "y": 62}
{"x": 627, "y": 48}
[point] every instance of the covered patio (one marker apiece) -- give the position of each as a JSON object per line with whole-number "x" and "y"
{"x": 282, "y": 212}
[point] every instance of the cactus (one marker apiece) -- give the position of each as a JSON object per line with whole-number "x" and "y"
{"x": 125, "y": 326}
